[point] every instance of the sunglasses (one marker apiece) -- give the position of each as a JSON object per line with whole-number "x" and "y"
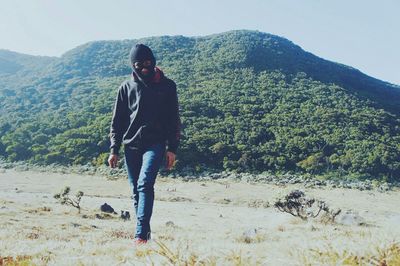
{"x": 143, "y": 64}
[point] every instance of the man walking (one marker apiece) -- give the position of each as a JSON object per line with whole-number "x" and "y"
{"x": 146, "y": 120}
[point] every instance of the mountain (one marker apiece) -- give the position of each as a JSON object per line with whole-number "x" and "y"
{"x": 12, "y": 62}
{"x": 250, "y": 101}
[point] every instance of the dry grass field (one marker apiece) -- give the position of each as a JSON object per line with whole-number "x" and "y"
{"x": 220, "y": 222}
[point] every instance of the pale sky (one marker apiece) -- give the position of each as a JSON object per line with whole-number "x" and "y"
{"x": 364, "y": 34}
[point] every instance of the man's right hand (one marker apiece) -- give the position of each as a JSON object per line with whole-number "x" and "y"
{"x": 113, "y": 160}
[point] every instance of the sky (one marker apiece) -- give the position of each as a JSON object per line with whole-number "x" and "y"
{"x": 364, "y": 34}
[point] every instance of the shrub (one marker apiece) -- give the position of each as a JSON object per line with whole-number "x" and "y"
{"x": 298, "y": 205}
{"x": 65, "y": 198}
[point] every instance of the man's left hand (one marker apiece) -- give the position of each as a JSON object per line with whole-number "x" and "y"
{"x": 170, "y": 158}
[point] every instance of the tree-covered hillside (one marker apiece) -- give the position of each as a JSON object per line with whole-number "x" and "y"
{"x": 250, "y": 101}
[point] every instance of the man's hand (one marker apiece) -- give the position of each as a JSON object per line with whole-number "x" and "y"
{"x": 113, "y": 160}
{"x": 170, "y": 158}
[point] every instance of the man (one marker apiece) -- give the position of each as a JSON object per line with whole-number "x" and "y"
{"x": 146, "y": 120}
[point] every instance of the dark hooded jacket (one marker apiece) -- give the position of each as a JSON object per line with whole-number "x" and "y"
{"x": 146, "y": 114}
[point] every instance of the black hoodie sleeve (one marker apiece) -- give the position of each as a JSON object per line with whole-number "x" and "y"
{"x": 174, "y": 131}
{"x": 118, "y": 122}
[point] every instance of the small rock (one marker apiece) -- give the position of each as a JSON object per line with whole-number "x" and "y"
{"x": 125, "y": 215}
{"x": 384, "y": 187}
{"x": 170, "y": 224}
{"x": 107, "y": 208}
{"x": 350, "y": 218}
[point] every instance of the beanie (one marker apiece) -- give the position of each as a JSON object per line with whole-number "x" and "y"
{"x": 141, "y": 52}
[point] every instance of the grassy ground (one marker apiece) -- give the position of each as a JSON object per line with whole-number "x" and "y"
{"x": 194, "y": 223}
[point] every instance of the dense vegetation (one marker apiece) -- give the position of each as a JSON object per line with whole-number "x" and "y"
{"x": 249, "y": 101}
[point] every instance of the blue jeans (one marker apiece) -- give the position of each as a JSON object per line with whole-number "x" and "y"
{"x": 142, "y": 166}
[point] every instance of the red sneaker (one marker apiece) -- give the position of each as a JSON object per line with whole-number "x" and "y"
{"x": 139, "y": 241}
